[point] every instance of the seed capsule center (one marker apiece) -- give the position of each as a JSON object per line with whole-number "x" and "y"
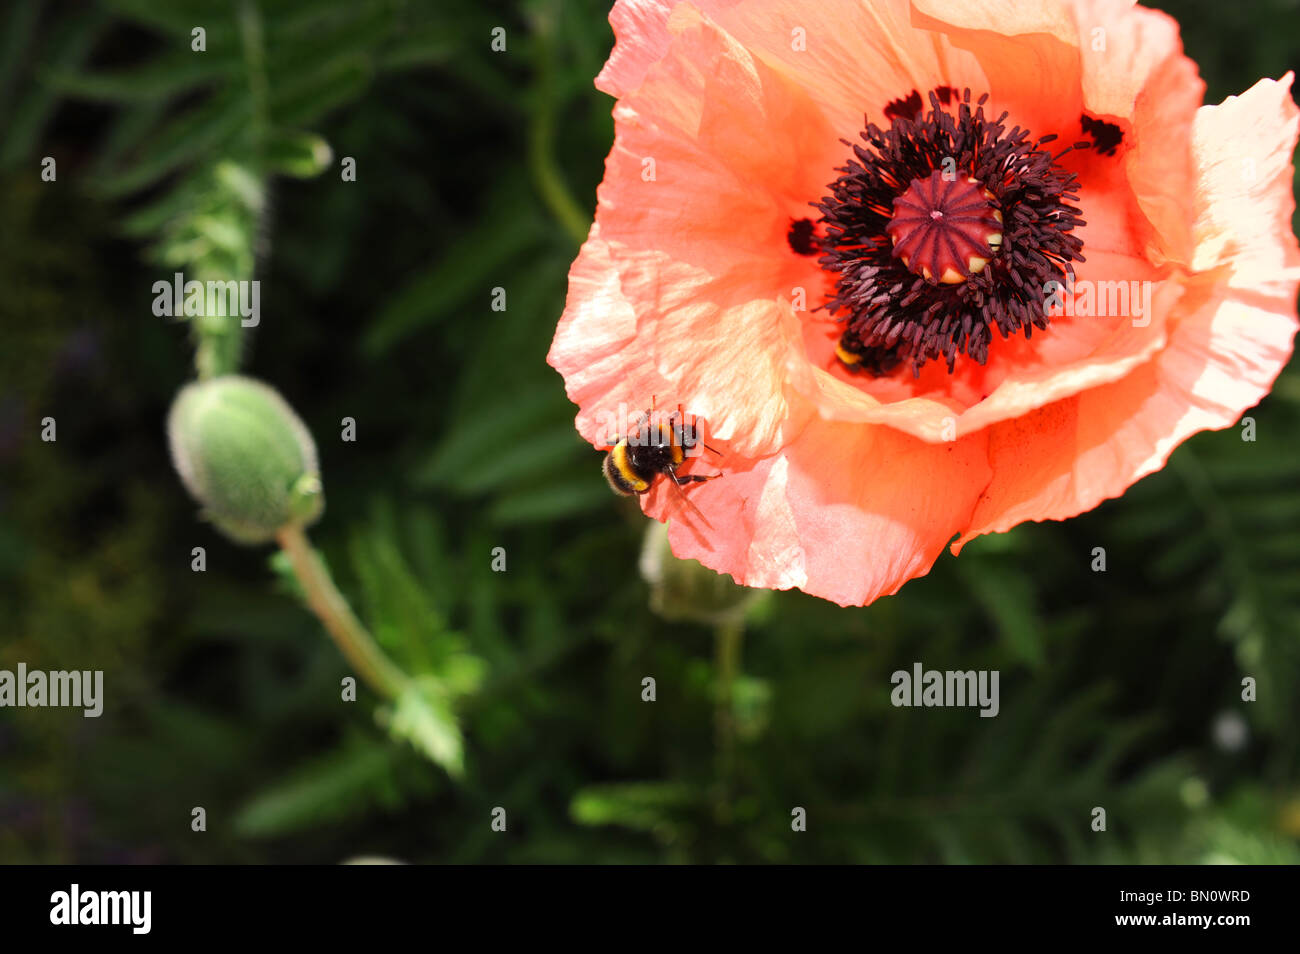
{"x": 945, "y": 229}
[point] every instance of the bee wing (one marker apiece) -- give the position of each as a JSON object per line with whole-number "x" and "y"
{"x": 692, "y": 516}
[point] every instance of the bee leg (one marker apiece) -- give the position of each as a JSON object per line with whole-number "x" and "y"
{"x": 684, "y": 479}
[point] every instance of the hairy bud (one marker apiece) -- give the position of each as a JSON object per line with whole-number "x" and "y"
{"x": 245, "y": 456}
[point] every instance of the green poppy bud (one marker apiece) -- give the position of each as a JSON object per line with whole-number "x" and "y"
{"x": 688, "y": 590}
{"x": 243, "y": 453}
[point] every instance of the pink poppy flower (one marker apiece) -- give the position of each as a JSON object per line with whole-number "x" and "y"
{"x": 922, "y": 270}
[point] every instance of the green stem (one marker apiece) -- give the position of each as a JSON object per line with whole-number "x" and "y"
{"x": 541, "y": 137}
{"x": 218, "y": 341}
{"x": 728, "y": 637}
{"x": 217, "y": 346}
{"x": 325, "y": 600}
{"x": 251, "y": 39}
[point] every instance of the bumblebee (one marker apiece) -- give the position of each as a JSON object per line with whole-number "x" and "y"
{"x": 650, "y": 451}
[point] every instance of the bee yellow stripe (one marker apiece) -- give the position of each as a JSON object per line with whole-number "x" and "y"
{"x": 623, "y": 467}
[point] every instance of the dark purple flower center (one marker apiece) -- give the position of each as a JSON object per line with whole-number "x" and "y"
{"x": 940, "y": 229}
{"x": 945, "y": 228}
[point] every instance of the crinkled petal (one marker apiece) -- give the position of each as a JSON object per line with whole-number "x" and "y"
{"x": 685, "y": 289}
{"x": 1064, "y": 459}
{"x": 845, "y": 512}
{"x": 1243, "y": 150}
{"x": 642, "y": 39}
{"x": 1223, "y": 355}
{"x": 851, "y": 57}
{"x": 641, "y": 328}
{"x": 1027, "y": 51}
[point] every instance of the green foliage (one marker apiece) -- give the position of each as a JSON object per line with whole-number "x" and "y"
{"x": 205, "y": 129}
{"x": 1221, "y": 526}
{"x": 355, "y": 777}
{"x": 26, "y": 104}
{"x": 526, "y": 684}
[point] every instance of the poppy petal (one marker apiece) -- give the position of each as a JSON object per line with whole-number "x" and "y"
{"x": 845, "y": 512}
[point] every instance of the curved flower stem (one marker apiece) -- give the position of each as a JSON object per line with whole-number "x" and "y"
{"x": 541, "y": 137}
{"x": 728, "y": 637}
{"x": 218, "y": 340}
{"x": 324, "y": 599}
{"x": 217, "y": 347}
{"x": 254, "y": 48}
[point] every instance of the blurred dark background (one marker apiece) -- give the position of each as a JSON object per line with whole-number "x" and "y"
{"x": 474, "y": 170}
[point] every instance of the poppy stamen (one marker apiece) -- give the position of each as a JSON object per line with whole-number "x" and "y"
{"x": 941, "y": 228}
{"x": 1106, "y": 137}
{"x": 802, "y": 239}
